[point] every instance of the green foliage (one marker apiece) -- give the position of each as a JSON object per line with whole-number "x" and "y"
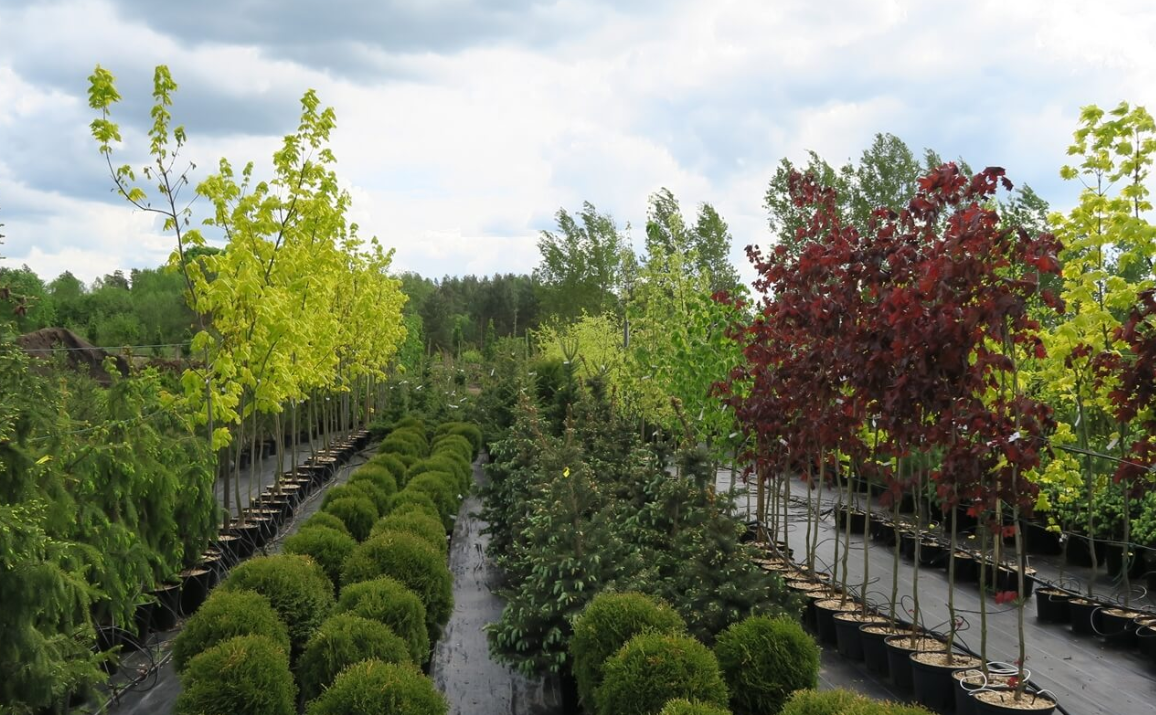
{"x": 400, "y": 445}
{"x": 324, "y": 520}
{"x": 653, "y": 668}
{"x": 246, "y": 675}
{"x": 605, "y": 625}
{"x": 408, "y": 500}
{"x": 375, "y": 688}
{"x": 341, "y": 641}
{"x": 471, "y": 432}
{"x": 417, "y": 522}
{"x": 453, "y": 444}
{"x": 387, "y": 601}
{"x": 844, "y": 702}
{"x": 764, "y": 660}
{"x": 582, "y": 266}
{"x": 390, "y": 461}
{"x": 380, "y": 476}
{"x": 450, "y": 464}
{"x": 412, "y": 562}
{"x": 328, "y": 547}
{"x": 296, "y": 586}
{"x": 357, "y": 513}
{"x": 441, "y": 488}
{"x": 225, "y": 615}
{"x": 682, "y": 706}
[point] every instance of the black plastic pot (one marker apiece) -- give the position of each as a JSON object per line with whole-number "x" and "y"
{"x": 882, "y": 530}
{"x": 933, "y": 685}
{"x": 966, "y": 568}
{"x": 931, "y": 553}
{"x": 1006, "y": 579}
{"x": 962, "y": 687}
{"x": 1118, "y": 626}
{"x": 168, "y": 608}
{"x": 1114, "y": 556}
{"x": 1084, "y": 615}
{"x": 907, "y": 544}
{"x": 848, "y": 637}
{"x": 825, "y": 611}
{"x": 249, "y": 538}
{"x": 1079, "y": 553}
{"x": 985, "y": 708}
{"x": 874, "y": 649}
{"x": 195, "y": 585}
{"x": 1052, "y": 605}
{"x": 899, "y": 659}
{"x": 1038, "y": 540}
{"x": 1146, "y": 637}
{"x": 858, "y": 520}
{"x": 136, "y": 636}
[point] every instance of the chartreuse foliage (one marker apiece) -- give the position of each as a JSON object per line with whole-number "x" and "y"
{"x": 653, "y": 668}
{"x": 328, "y": 547}
{"x": 296, "y": 587}
{"x": 357, "y": 513}
{"x": 844, "y": 702}
{"x": 387, "y": 601}
{"x": 341, "y": 641}
{"x": 764, "y": 660}
{"x": 605, "y": 625}
{"x": 245, "y": 675}
{"x": 682, "y": 706}
{"x": 225, "y": 615}
{"x": 375, "y": 688}
{"x": 415, "y": 522}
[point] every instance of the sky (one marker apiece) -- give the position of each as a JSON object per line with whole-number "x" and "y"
{"x": 462, "y": 127}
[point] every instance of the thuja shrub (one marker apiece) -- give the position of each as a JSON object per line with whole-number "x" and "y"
{"x": 322, "y": 520}
{"x": 418, "y": 523}
{"x": 245, "y": 675}
{"x": 441, "y": 488}
{"x": 375, "y": 688}
{"x": 844, "y": 702}
{"x": 407, "y": 500}
{"x": 340, "y": 642}
{"x": 412, "y": 562}
{"x": 463, "y": 429}
{"x": 764, "y": 660}
{"x": 390, "y": 462}
{"x": 346, "y": 491}
{"x": 605, "y": 625}
{"x": 454, "y": 443}
{"x": 357, "y": 513}
{"x": 410, "y": 422}
{"x": 682, "y": 706}
{"x": 387, "y": 601}
{"x": 380, "y": 476}
{"x": 328, "y": 547}
{"x": 401, "y": 445}
{"x": 296, "y": 586}
{"x": 225, "y": 615}
{"x": 446, "y": 463}
{"x": 653, "y": 668}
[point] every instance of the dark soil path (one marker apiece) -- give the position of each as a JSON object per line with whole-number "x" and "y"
{"x": 462, "y": 668}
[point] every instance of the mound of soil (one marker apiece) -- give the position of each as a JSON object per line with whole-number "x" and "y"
{"x": 52, "y": 344}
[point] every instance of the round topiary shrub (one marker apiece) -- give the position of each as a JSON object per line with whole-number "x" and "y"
{"x": 246, "y": 675}
{"x": 328, "y": 547}
{"x": 358, "y": 514}
{"x": 843, "y": 702}
{"x": 440, "y": 487}
{"x": 395, "y": 466}
{"x": 764, "y": 660}
{"x": 349, "y": 491}
{"x": 296, "y": 587}
{"x": 407, "y": 500}
{"x": 653, "y": 668}
{"x": 325, "y": 521}
{"x": 340, "y": 642}
{"x": 399, "y": 445}
{"x": 682, "y": 706}
{"x": 464, "y": 429}
{"x": 605, "y": 625}
{"x": 455, "y": 443}
{"x": 386, "y": 601}
{"x": 415, "y": 564}
{"x": 375, "y": 688}
{"x": 381, "y": 477}
{"x": 225, "y": 615}
{"x": 446, "y": 464}
{"x": 418, "y": 523}
{"x": 410, "y": 421}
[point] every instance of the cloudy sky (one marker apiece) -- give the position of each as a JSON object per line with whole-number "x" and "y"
{"x": 463, "y": 126}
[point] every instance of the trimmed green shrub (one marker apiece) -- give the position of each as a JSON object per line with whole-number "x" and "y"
{"x": 358, "y": 514}
{"x": 682, "y": 706}
{"x": 400, "y": 445}
{"x": 245, "y": 675}
{"x": 407, "y": 459}
{"x": 415, "y": 564}
{"x": 418, "y": 523}
{"x": 347, "y": 491}
{"x": 387, "y": 601}
{"x": 380, "y": 476}
{"x": 322, "y": 520}
{"x": 440, "y": 487}
{"x": 463, "y": 429}
{"x": 605, "y": 625}
{"x": 844, "y": 702}
{"x": 391, "y": 462}
{"x": 407, "y": 500}
{"x": 328, "y": 547}
{"x": 375, "y": 688}
{"x": 410, "y": 422}
{"x": 417, "y": 443}
{"x": 340, "y": 642}
{"x": 454, "y": 443}
{"x": 296, "y": 587}
{"x": 653, "y": 668}
{"x": 764, "y": 660}
{"x": 225, "y": 615}
{"x": 447, "y": 464}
